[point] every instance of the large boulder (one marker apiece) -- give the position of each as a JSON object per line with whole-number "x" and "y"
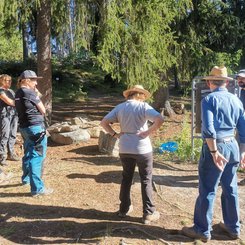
{"x": 68, "y": 138}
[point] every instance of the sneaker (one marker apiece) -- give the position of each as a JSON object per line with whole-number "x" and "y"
{"x": 13, "y": 157}
{"x": 44, "y": 192}
{"x": 3, "y": 163}
{"x": 124, "y": 214}
{"x": 148, "y": 218}
{"x": 228, "y": 232}
{"x": 190, "y": 232}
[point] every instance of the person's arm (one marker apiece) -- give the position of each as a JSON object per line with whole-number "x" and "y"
{"x": 6, "y": 99}
{"x": 242, "y": 150}
{"x": 209, "y": 134}
{"x": 41, "y": 107}
{"x": 157, "y": 123}
{"x": 105, "y": 124}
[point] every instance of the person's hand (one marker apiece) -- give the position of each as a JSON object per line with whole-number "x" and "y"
{"x": 143, "y": 134}
{"x": 242, "y": 163}
{"x": 118, "y": 135}
{"x": 38, "y": 93}
{"x": 219, "y": 160}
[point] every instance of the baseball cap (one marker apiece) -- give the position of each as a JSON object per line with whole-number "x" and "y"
{"x": 29, "y": 74}
{"x": 241, "y": 73}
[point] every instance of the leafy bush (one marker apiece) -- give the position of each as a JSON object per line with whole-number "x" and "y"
{"x": 185, "y": 150}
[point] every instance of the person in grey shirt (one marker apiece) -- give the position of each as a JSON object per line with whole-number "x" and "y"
{"x": 135, "y": 147}
{"x": 8, "y": 121}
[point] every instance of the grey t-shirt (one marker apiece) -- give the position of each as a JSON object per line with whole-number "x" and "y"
{"x": 132, "y": 116}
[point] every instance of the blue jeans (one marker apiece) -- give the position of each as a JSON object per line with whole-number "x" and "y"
{"x": 35, "y": 147}
{"x": 209, "y": 179}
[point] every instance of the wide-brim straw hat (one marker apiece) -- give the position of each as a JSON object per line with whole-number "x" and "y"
{"x": 218, "y": 73}
{"x": 139, "y": 89}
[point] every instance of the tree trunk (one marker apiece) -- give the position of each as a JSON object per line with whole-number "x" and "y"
{"x": 44, "y": 54}
{"x": 160, "y": 97}
{"x": 25, "y": 37}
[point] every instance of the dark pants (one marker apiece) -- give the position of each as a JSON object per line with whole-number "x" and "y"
{"x": 8, "y": 127}
{"x": 145, "y": 166}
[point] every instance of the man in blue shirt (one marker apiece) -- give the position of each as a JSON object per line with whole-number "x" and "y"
{"x": 222, "y": 113}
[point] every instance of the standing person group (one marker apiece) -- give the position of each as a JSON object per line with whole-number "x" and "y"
{"x": 31, "y": 113}
{"x": 222, "y": 113}
{"x": 135, "y": 147}
{"x": 8, "y": 121}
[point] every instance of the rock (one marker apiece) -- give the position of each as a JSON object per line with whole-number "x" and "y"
{"x": 78, "y": 121}
{"x": 108, "y": 144}
{"x": 94, "y": 132}
{"x": 68, "y": 138}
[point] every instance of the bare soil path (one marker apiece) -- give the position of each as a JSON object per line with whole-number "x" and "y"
{"x": 86, "y": 183}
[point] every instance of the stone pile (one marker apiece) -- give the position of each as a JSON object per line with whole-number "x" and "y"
{"x": 76, "y": 130}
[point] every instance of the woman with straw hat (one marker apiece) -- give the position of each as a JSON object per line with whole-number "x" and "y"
{"x": 135, "y": 147}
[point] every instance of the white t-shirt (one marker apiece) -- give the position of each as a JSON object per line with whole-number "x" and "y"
{"x": 133, "y": 116}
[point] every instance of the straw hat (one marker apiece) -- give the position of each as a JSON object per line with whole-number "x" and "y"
{"x": 139, "y": 89}
{"x": 218, "y": 73}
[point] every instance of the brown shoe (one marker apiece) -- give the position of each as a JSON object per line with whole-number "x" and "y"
{"x": 190, "y": 232}
{"x": 228, "y": 232}
{"x": 148, "y": 218}
{"x": 124, "y": 214}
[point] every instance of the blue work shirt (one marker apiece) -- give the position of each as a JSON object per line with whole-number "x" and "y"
{"x": 222, "y": 113}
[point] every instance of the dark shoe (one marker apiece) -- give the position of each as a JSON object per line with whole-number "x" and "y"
{"x": 190, "y": 232}
{"x": 124, "y": 214}
{"x": 228, "y": 232}
{"x": 13, "y": 157}
{"x": 148, "y": 218}
{"x": 44, "y": 192}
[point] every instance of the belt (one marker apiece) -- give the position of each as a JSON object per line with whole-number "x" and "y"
{"x": 222, "y": 140}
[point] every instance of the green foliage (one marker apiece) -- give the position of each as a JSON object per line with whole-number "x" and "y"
{"x": 72, "y": 82}
{"x": 10, "y": 48}
{"x": 205, "y": 39}
{"x": 185, "y": 151}
{"x": 137, "y": 42}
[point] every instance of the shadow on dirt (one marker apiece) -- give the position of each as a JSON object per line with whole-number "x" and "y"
{"x": 96, "y": 160}
{"x": 47, "y": 222}
{"x": 115, "y": 177}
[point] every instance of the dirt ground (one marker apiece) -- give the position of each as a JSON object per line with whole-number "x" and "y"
{"x": 86, "y": 187}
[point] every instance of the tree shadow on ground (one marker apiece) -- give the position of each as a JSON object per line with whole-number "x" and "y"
{"x": 90, "y": 150}
{"x": 177, "y": 181}
{"x": 97, "y": 160}
{"x": 96, "y": 107}
{"x": 41, "y": 228}
{"x": 116, "y": 176}
{"x": 166, "y": 166}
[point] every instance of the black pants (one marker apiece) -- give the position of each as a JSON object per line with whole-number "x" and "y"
{"x": 145, "y": 166}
